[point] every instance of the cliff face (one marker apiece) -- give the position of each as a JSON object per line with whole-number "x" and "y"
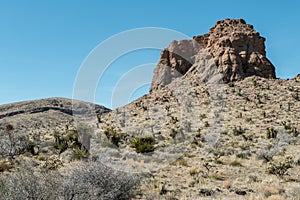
{"x": 236, "y": 49}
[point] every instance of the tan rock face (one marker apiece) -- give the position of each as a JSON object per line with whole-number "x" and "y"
{"x": 237, "y": 50}
{"x": 297, "y": 77}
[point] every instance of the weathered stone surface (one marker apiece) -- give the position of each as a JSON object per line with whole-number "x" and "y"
{"x": 297, "y": 77}
{"x": 236, "y": 49}
{"x": 66, "y": 106}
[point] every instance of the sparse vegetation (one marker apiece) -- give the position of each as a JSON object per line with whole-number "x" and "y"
{"x": 280, "y": 168}
{"x": 271, "y": 133}
{"x": 238, "y": 131}
{"x": 113, "y": 136}
{"x": 13, "y": 143}
{"x": 206, "y": 124}
{"x": 79, "y": 154}
{"x": 5, "y": 165}
{"x": 70, "y": 140}
{"x": 180, "y": 162}
{"x": 295, "y": 95}
{"x": 235, "y": 163}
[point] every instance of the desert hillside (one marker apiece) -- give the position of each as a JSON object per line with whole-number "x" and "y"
{"x": 224, "y": 125}
{"x": 216, "y": 124}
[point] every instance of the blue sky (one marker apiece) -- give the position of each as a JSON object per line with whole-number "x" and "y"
{"x": 44, "y": 42}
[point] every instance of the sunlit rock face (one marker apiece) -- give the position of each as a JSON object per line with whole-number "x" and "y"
{"x": 235, "y": 48}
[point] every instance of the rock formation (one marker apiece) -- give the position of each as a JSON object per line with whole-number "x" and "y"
{"x": 66, "y": 106}
{"x": 236, "y": 49}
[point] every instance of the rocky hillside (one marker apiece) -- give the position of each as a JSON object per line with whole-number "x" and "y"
{"x": 34, "y": 126}
{"x": 223, "y": 125}
{"x": 45, "y": 114}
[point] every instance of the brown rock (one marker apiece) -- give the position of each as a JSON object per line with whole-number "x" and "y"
{"x": 238, "y": 51}
{"x": 297, "y": 77}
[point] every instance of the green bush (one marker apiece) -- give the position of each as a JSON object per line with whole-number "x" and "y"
{"x": 113, "y": 136}
{"x": 79, "y": 154}
{"x": 69, "y": 140}
{"x": 143, "y": 144}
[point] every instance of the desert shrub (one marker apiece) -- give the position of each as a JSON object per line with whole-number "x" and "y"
{"x": 79, "y": 154}
{"x": 244, "y": 154}
{"x": 295, "y": 95}
{"x": 235, "y": 163}
{"x": 113, "y": 136}
{"x": 271, "y": 133}
{"x": 216, "y": 176}
{"x": 70, "y": 140}
{"x": 238, "y": 131}
{"x": 27, "y": 184}
{"x": 84, "y": 180}
{"x": 290, "y": 128}
{"x": 30, "y": 147}
{"x": 280, "y": 168}
{"x": 180, "y": 162}
{"x": 94, "y": 180}
{"x": 12, "y": 143}
{"x": 59, "y": 142}
{"x": 143, "y": 144}
{"x": 5, "y": 166}
{"x": 52, "y": 163}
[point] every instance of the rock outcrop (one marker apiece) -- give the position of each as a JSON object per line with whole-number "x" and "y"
{"x": 297, "y": 77}
{"x": 236, "y": 49}
{"x": 66, "y": 106}
{"x": 46, "y": 115}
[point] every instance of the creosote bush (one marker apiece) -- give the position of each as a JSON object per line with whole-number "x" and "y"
{"x": 280, "y": 168}
{"x": 83, "y": 180}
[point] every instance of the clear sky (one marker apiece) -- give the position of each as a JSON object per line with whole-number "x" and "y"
{"x": 44, "y": 42}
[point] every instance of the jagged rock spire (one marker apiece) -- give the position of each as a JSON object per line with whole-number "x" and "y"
{"x": 237, "y": 50}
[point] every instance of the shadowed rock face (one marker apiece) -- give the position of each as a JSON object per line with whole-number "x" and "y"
{"x": 237, "y": 50}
